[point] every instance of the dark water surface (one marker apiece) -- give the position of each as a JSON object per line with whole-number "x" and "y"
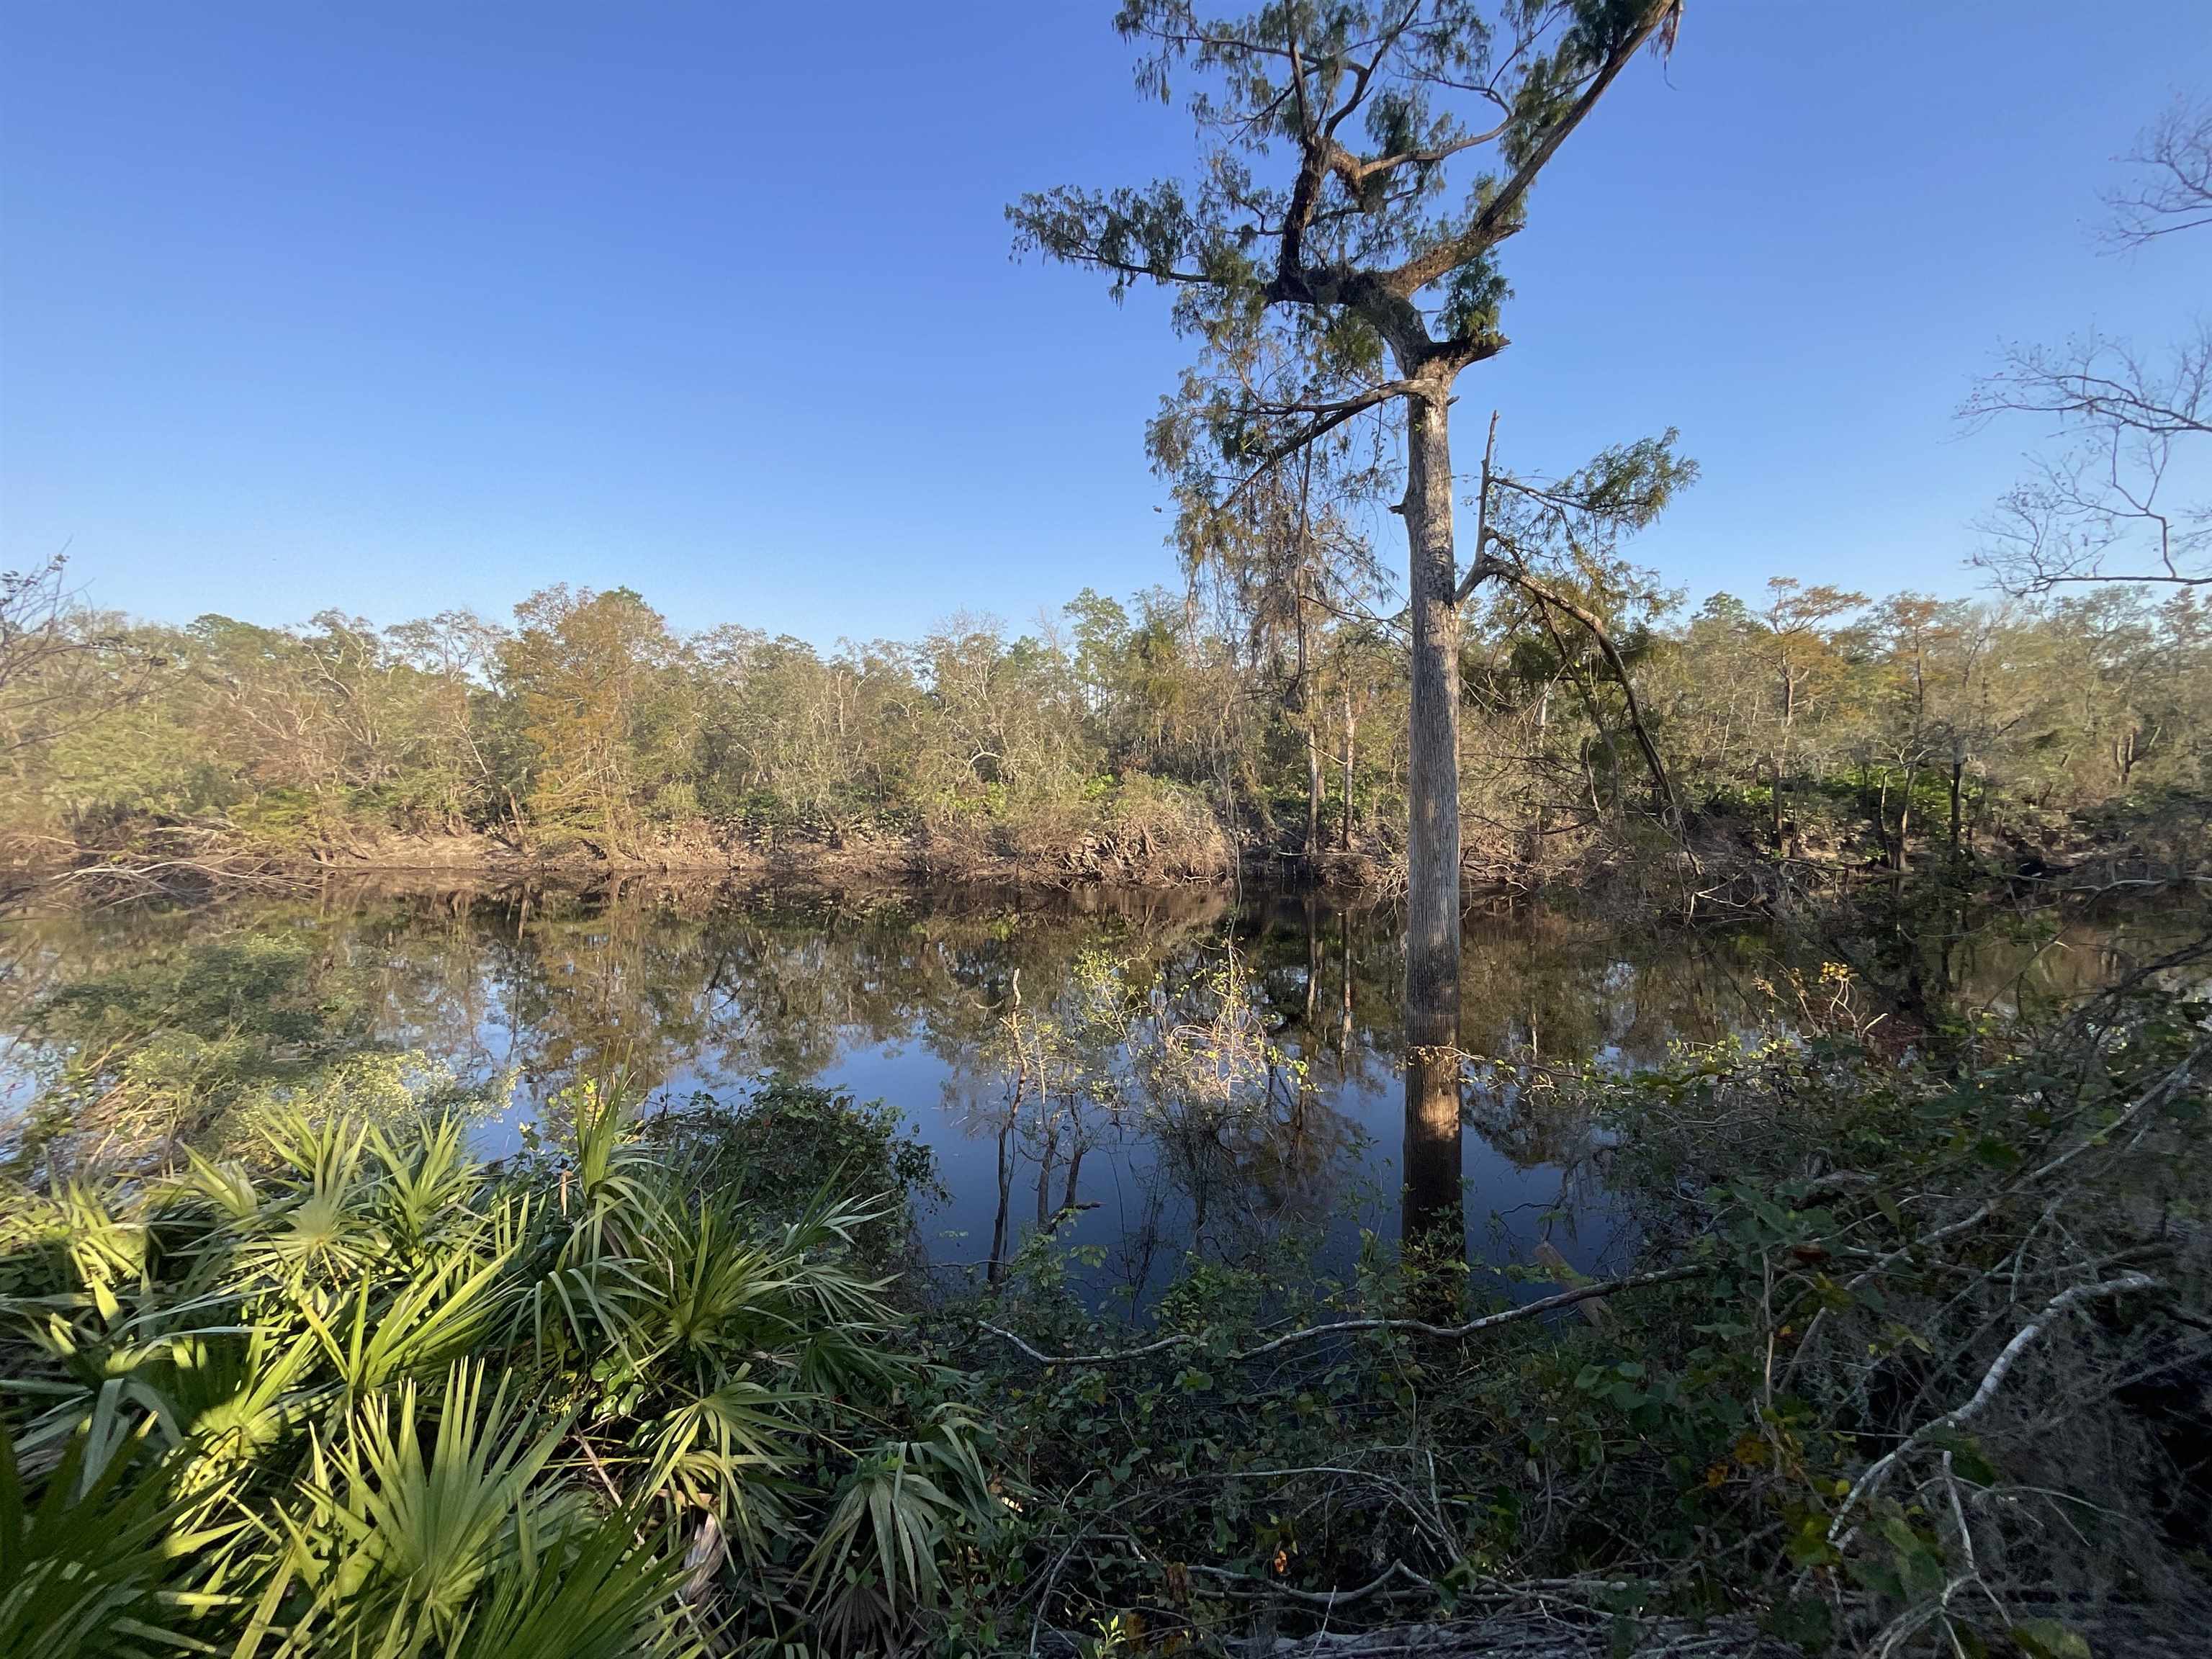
{"x": 1151, "y": 1075}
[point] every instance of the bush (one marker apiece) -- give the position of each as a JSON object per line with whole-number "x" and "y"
{"x": 361, "y": 1393}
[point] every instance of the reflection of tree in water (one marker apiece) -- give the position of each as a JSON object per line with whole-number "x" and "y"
{"x": 1236, "y": 1110}
{"x": 426, "y": 960}
{"x": 1040, "y": 1076}
{"x": 1165, "y": 1051}
{"x": 1119, "y": 1000}
{"x": 597, "y": 989}
{"x": 1544, "y": 989}
{"x": 1540, "y": 988}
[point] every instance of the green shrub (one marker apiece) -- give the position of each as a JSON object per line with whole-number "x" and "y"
{"x": 370, "y": 1395}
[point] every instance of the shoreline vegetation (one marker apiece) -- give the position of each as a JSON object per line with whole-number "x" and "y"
{"x": 1161, "y": 742}
{"x": 2163, "y": 846}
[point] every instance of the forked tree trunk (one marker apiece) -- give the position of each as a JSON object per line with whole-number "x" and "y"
{"x": 1074, "y": 1168}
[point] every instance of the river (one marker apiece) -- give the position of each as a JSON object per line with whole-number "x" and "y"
{"x": 1149, "y": 1075}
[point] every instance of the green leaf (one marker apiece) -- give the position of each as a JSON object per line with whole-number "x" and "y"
{"x": 2049, "y": 1638}
{"x": 1805, "y": 1620}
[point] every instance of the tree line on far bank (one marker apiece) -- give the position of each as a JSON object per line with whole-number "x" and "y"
{"x": 1159, "y": 739}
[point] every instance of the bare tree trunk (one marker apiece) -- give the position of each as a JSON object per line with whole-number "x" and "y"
{"x": 1350, "y": 726}
{"x": 1313, "y": 788}
{"x": 1957, "y": 779}
{"x": 1432, "y": 1222}
{"x": 1537, "y": 843}
{"x": 997, "y": 1270}
{"x": 1433, "y": 838}
{"x": 1304, "y": 698}
{"x": 1905, "y": 821}
{"x": 1074, "y": 1168}
{"x": 1782, "y": 757}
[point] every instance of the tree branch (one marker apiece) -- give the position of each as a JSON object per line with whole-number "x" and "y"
{"x": 1351, "y": 1326}
{"x": 1496, "y": 221}
{"x": 1993, "y": 1379}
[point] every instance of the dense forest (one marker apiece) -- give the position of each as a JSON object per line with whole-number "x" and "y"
{"x": 1155, "y": 740}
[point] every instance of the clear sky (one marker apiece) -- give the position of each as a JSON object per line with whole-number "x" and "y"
{"x": 395, "y": 306}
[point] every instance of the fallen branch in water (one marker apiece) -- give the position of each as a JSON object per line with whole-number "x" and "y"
{"x": 1349, "y": 1326}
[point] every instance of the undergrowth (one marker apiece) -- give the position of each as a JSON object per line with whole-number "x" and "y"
{"x": 1925, "y": 1372}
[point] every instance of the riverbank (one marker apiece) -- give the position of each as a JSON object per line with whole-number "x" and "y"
{"x": 1721, "y": 866}
{"x": 1138, "y": 862}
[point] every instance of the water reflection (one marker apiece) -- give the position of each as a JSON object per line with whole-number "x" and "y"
{"x": 1434, "y": 1221}
{"x": 1151, "y": 1075}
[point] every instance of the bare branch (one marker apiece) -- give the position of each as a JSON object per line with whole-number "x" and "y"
{"x": 1499, "y": 216}
{"x": 1993, "y": 1379}
{"x": 2176, "y": 153}
{"x": 1534, "y": 1310}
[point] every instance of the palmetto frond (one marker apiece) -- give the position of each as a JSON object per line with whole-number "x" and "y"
{"x": 600, "y": 1594}
{"x": 320, "y": 1226}
{"x": 235, "y": 1395}
{"x": 329, "y": 1398}
{"x": 877, "y": 1559}
{"x": 426, "y": 1186}
{"x": 724, "y": 1451}
{"x": 396, "y": 1527}
{"x": 443, "y": 1312}
{"x": 99, "y": 1562}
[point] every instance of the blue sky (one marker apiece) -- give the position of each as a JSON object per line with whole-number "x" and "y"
{"x": 398, "y": 306}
